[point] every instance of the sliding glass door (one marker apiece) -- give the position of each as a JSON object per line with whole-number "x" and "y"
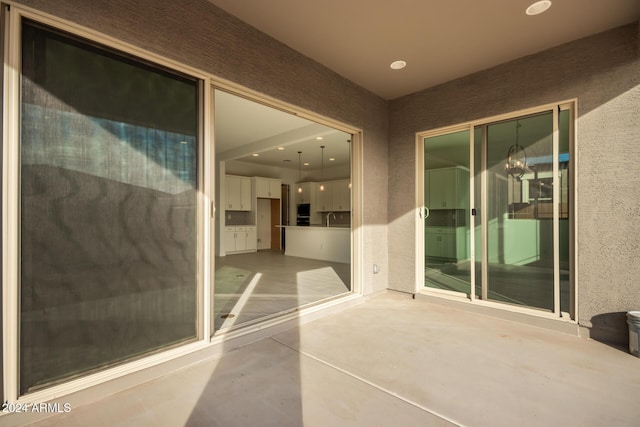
{"x": 447, "y": 226}
{"x": 518, "y": 171}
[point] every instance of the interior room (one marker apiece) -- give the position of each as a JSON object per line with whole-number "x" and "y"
{"x": 285, "y": 243}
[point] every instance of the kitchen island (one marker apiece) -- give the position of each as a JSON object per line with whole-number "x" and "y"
{"x": 316, "y": 242}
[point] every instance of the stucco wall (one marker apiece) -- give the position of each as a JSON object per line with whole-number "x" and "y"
{"x": 603, "y": 73}
{"x": 198, "y": 34}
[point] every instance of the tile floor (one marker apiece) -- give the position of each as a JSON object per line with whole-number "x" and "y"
{"x": 390, "y": 360}
{"x": 254, "y": 285}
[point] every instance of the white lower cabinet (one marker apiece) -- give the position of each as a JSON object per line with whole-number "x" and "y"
{"x": 447, "y": 242}
{"x": 240, "y": 238}
{"x": 440, "y": 242}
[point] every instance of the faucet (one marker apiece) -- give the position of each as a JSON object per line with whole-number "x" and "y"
{"x": 327, "y": 221}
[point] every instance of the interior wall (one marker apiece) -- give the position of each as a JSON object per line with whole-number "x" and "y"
{"x": 603, "y": 73}
{"x": 198, "y": 34}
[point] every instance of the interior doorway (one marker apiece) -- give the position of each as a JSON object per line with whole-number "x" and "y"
{"x": 275, "y": 224}
{"x": 268, "y": 224}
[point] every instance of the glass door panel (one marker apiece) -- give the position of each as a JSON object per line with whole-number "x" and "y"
{"x": 447, "y": 226}
{"x": 519, "y": 211}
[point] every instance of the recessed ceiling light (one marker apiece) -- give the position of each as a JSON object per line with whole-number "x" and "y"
{"x": 319, "y": 138}
{"x": 255, "y": 154}
{"x": 331, "y": 159}
{"x": 280, "y": 148}
{"x": 538, "y": 7}
{"x": 398, "y": 65}
{"x": 306, "y": 163}
{"x": 183, "y": 142}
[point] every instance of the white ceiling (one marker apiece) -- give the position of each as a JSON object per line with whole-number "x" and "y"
{"x": 244, "y": 128}
{"x": 439, "y": 40}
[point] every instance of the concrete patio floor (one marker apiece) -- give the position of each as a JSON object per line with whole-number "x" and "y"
{"x": 390, "y": 360}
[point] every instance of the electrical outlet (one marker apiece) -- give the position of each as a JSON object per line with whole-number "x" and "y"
{"x": 376, "y": 269}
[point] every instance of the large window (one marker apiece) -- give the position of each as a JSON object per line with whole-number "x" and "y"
{"x": 109, "y": 219}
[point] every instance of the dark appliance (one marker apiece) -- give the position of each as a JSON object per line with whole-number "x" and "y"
{"x": 304, "y": 215}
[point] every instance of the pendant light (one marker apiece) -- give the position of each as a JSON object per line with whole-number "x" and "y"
{"x": 299, "y": 171}
{"x": 322, "y": 169}
{"x": 516, "y": 158}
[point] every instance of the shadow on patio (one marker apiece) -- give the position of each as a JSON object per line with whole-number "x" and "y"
{"x": 391, "y": 361}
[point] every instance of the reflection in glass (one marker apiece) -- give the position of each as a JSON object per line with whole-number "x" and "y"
{"x": 447, "y": 226}
{"x": 108, "y": 208}
{"x": 520, "y": 213}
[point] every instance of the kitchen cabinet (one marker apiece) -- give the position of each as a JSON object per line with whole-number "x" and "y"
{"x": 449, "y": 243}
{"x": 305, "y": 196}
{"x": 336, "y": 197}
{"x": 238, "y": 193}
{"x": 268, "y": 188}
{"x": 324, "y": 198}
{"x": 440, "y": 242}
{"x": 240, "y": 238}
{"x": 341, "y": 195}
{"x": 447, "y": 188}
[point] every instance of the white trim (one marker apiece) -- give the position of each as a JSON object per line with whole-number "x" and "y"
{"x": 357, "y": 232}
{"x": 484, "y": 225}
{"x": 573, "y": 216}
{"x": 207, "y": 153}
{"x": 571, "y": 105}
{"x": 472, "y": 218}
{"x": 10, "y": 204}
{"x": 420, "y": 212}
{"x": 496, "y": 118}
{"x": 556, "y": 212}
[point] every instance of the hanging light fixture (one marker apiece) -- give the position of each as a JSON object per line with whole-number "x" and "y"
{"x": 516, "y": 158}
{"x": 299, "y": 171}
{"x": 322, "y": 169}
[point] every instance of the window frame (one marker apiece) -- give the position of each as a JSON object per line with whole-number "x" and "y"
{"x": 555, "y": 108}
{"x": 14, "y": 17}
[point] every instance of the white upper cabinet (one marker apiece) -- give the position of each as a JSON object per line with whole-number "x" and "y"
{"x": 324, "y": 197}
{"x": 444, "y": 188}
{"x": 237, "y": 193}
{"x": 341, "y": 195}
{"x": 268, "y": 188}
{"x": 336, "y": 197}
